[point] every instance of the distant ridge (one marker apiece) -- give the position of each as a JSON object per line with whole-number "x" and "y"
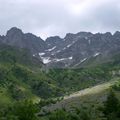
{"x": 74, "y": 50}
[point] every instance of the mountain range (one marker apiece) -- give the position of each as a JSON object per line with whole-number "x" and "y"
{"x": 74, "y": 50}
{"x": 84, "y": 67}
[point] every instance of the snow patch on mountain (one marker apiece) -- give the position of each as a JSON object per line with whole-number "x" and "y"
{"x": 83, "y": 60}
{"x": 69, "y": 45}
{"x": 46, "y": 60}
{"x": 80, "y": 62}
{"x": 58, "y": 51}
{"x": 58, "y": 60}
{"x": 70, "y": 58}
{"x": 96, "y": 54}
{"x": 51, "y": 49}
{"x": 62, "y": 59}
{"x": 64, "y": 48}
{"x": 41, "y": 54}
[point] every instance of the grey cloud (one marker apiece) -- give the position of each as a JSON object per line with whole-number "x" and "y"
{"x": 55, "y": 17}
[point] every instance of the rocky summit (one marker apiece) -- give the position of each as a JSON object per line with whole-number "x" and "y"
{"x": 74, "y": 50}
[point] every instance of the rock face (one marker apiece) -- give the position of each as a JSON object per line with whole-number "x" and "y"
{"x": 74, "y": 50}
{"x": 15, "y": 37}
{"x": 77, "y": 49}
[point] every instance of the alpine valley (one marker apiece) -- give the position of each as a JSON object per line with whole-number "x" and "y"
{"x": 72, "y": 78}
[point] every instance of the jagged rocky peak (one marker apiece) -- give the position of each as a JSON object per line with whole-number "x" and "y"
{"x": 72, "y": 50}
{"x": 69, "y": 35}
{"x": 103, "y": 34}
{"x": 116, "y": 38}
{"x": 108, "y": 34}
{"x": 15, "y": 37}
{"x": 53, "y": 41}
{"x": 117, "y": 33}
{"x": 32, "y": 36}
{"x": 79, "y": 35}
{"x": 84, "y": 34}
{"x": 14, "y": 31}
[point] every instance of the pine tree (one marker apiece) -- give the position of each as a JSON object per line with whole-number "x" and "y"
{"x": 111, "y": 106}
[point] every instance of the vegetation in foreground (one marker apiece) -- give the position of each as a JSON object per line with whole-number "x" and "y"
{"x": 22, "y": 78}
{"x": 26, "y": 110}
{"x": 23, "y": 83}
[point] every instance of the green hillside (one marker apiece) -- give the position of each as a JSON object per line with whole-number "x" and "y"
{"x": 101, "y": 102}
{"x": 23, "y": 77}
{"x": 87, "y": 97}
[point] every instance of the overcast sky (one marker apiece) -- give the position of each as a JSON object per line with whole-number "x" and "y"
{"x": 58, "y": 17}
